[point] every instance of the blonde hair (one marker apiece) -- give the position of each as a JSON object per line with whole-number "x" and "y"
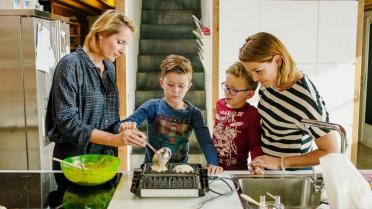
{"x": 238, "y": 70}
{"x": 108, "y": 23}
{"x": 176, "y": 63}
{"x": 262, "y": 47}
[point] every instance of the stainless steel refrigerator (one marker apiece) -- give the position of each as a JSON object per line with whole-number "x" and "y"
{"x": 31, "y": 44}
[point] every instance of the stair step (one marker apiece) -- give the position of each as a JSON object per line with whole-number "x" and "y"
{"x": 168, "y": 17}
{"x": 196, "y": 97}
{"x": 170, "y": 4}
{"x": 154, "y": 31}
{"x": 150, "y": 80}
{"x": 169, "y": 46}
{"x": 151, "y": 63}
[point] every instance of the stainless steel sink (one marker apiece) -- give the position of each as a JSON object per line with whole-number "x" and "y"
{"x": 297, "y": 191}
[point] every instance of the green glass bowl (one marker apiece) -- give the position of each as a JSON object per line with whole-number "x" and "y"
{"x": 98, "y": 169}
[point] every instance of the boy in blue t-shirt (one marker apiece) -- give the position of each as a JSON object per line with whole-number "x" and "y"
{"x": 171, "y": 119}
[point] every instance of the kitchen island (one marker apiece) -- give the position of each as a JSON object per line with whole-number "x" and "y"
{"x": 123, "y": 198}
{"x": 37, "y": 189}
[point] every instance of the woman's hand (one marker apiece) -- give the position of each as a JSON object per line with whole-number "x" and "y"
{"x": 265, "y": 161}
{"x": 214, "y": 170}
{"x": 130, "y": 137}
{"x": 127, "y": 125}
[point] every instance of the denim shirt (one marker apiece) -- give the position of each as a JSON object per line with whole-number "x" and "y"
{"x": 81, "y": 100}
{"x": 172, "y": 128}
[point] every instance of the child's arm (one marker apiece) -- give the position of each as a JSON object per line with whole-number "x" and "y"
{"x": 145, "y": 112}
{"x": 204, "y": 138}
{"x": 254, "y": 136}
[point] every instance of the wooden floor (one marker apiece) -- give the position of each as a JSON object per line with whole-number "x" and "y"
{"x": 364, "y": 160}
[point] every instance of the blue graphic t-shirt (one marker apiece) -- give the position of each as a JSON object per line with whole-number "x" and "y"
{"x": 172, "y": 128}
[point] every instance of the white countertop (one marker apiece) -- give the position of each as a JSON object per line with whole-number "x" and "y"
{"x": 123, "y": 198}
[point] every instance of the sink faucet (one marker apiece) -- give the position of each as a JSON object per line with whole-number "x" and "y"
{"x": 318, "y": 186}
{"x": 330, "y": 126}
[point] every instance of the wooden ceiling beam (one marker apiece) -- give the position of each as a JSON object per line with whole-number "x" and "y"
{"x": 367, "y": 5}
{"x": 66, "y": 10}
{"x": 90, "y": 7}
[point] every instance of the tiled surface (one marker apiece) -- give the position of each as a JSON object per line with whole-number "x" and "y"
{"x": 364, "y": 160}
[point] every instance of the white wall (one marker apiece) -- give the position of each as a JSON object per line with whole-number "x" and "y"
{"x": 207, "y": 20}
{"x": 133, "y": 11}
{"x": 320, "y": 35}
{"x": 207, "y": 12}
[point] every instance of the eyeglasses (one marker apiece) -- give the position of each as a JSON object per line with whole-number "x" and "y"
{"x": 231, "y": 91}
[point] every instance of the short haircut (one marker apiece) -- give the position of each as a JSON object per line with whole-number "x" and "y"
{"x": 108, "y": 23}
{"x": 176, "y": 63}
{"x": 238, "y": 70}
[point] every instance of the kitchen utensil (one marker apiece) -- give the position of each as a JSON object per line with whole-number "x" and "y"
{"x": 249, "y": 199}
{"x": 151, "y": 147}
{"x": 163, "y": 154}
{"x": 272, "y": 196}
{"x": 70, "y": 164}
{"x": 169, "y": 183}
{"x": 99, "y": 169}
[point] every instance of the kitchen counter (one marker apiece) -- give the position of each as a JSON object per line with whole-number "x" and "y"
{"x": 35, "y": 186}
{"x": 124, "y": 198}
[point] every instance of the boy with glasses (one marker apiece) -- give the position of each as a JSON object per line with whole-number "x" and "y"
{"x": 237, "y": 130}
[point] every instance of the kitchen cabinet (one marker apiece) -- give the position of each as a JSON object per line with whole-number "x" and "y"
{"x": 32, "y": 43}
{"x": 75, "y": 36}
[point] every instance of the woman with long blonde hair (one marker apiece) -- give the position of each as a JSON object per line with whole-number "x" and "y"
{"x": 83, "y": 107}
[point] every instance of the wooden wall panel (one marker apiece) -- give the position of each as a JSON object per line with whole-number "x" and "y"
{"x": 358, "y": 75}
{"x": 121, "y": 81}
{"x": 215, "y": 53}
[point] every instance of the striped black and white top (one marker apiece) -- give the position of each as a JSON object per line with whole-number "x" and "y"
{"x": 281, "y": 113}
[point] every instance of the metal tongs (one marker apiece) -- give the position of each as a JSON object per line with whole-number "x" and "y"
{"x": 161, "y": 156}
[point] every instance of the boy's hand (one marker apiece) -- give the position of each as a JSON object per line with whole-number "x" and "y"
{"x": 128, "y": 125}
{"x": 256, "y": 170}
{"x": 214, "y": 170}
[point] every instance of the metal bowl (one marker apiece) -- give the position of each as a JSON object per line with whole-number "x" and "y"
{"x": 98, "y": 169}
